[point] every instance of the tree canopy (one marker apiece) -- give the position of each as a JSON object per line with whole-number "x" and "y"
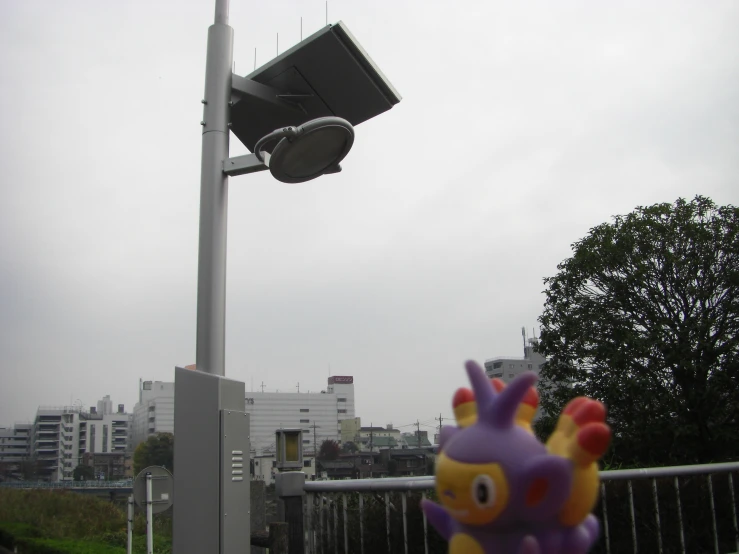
{"x": 644, "y": 317}
{"x": 157, "y": 450}
{"x": 83, "y": 472}
{"x": 329, "y": 450}
{"x": 349, "y": 447}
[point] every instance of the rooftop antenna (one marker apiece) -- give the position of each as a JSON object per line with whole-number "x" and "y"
{"x": 262, "y": 385}
{"x": 298, "y": 387}
{"x": 523, "y": 334}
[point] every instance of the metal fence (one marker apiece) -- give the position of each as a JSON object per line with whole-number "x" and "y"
{"x": 121, "y": 484}
{"x": 682, "y": 509}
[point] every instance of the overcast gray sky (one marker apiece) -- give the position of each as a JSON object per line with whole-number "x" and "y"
{"x": 522, "y": 125}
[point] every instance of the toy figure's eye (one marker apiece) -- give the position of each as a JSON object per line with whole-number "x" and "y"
{"x": 483, "y": 491}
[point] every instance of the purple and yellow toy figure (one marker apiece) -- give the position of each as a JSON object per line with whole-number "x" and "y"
{"x": 504, "y": 492}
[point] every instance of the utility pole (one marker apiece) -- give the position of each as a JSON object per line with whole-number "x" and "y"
{"x": 262, "y": 386}
{"x": 418, "y": 433}
{"x": 439, "y": 419}
{"x": 315, "y": 444}
{"x": 372, "y": 427}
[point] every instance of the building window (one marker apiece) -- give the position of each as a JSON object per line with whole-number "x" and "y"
{"x": 341, "y": 399}
{"x": 497, "y": 365}
{"x": 511, "y": 375}
{"x": 305, "y": 421}
{"x": 306, "y": 441}
{"x": 342, "y": 411}
{"x": 510, "y": 366}
{"x": 306, "y": 463}
{"x": 304, "y": 410}
{"x": 531, "y": 366}
{"x": 497, "y": 375}
{"x": 306, "y": 430}
{"x": 105, "y": 438}
{"x": 92, "y": 437}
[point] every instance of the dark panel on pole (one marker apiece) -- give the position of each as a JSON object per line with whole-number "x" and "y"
{"x": 330, "y": 66}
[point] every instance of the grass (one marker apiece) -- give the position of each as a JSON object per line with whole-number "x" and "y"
{"x": 63, "y": 522}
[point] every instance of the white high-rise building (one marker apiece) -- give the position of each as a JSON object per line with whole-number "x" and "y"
{"x": 105, "y": 406}
{"x": 154, "y": 412}
{"x": 318, "y": 414}
{"x": 14, "y": 450}
{"x": 61, "y": 436}
{"x": 507, "y": 368}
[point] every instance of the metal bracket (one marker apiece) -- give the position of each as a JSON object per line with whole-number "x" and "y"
{"x": 241, "y": 165}
{"x": 241, "y": 86}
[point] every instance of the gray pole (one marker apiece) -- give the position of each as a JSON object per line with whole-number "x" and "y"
{"x": 211, "y": 325}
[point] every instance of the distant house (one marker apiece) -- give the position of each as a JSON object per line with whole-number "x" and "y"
{"x": 367, "y": 465}
{"x": 338, "y": 469}
{"x": 406, "y": 462}
{"x": 417, "y": 439}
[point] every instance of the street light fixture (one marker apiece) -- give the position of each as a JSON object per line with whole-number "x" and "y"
{"x": 296, "y": 115}
{"x": 308, "y": 151}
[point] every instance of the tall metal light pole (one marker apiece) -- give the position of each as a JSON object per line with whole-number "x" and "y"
{"x": 211, "y": 315}
{"x": 211, "y": 450}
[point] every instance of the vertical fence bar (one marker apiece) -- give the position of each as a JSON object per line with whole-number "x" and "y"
{"x": 404, "y": 502}
{"x": 633, "y": 517}
{"x": 387, "y": 520}
{"x": 733, "y": 511}
{"x": 713, "y": 514}
{"x": 656, "y": 515}
{"x": 129, "y": 525}
{"x": 346, "y": 535}
{"x": 320, "y": 519}
{"x": 361, "y": 523}
{"x": 425, "y": 529}
{"x": 680, "y": 516}
{"x": 336, "y": 525}
{"x": 310, "y": 504}
{"x": 605, "y": 517}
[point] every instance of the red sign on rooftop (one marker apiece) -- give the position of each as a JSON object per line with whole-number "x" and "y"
{"x": 341, "y": 380}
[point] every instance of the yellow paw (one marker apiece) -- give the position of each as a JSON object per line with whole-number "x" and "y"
{"x": 464, "y": 544}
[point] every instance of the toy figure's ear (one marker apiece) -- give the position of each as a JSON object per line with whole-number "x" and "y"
{"x": 545, "y": 485}
{"x": 447, "y": 432}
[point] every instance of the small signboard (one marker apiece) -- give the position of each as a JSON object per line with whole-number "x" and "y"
{"x": 162, "y": 488}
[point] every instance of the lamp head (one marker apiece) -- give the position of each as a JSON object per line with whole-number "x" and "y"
{"x": 307, "y": 151}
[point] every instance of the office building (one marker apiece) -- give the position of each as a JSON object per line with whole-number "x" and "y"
{"x": 14, "y": 451}
{"x": 60, "y": 438}
{"x": 154, "y": 412}
{"x": 318, "y": 414}
{"x": 507, "y": 368}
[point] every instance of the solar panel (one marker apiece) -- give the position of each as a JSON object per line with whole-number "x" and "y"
{"x": 326, "y": 74}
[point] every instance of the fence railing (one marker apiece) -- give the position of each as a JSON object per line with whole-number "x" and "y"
{"x": 121, "y": 484}
{"x": 682, "y": 509}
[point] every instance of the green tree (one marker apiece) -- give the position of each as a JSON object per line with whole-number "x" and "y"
{"x": 157, "y": 450}
{"x": 329, "y": 450}
{"x": 83, "y": 472}
{"x": 349, "y": 447}
{"x": 644, "y": 317}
